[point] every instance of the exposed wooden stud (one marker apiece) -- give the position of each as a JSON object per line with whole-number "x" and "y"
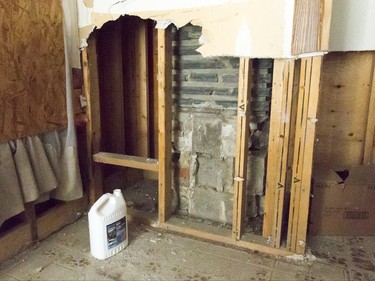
{"x": 109, "y": 49}
{"x": 164, "y": 123}
{"x": 325, "y": 24}
{"x": 293, "y": 118}
{"x": 287, "y": 94}
{"x": 243, "y": 116}
{"x": 31, "y": 219}
{"x": 91, "y": 90}
{"x": 153, "y": 89}
{"x": 303, "y": 153}
{"x": 129, "y": 161}
{"x": 136, "y": 90}
{"x": 370, "y": 128}
{"x": 297, "y": 156}
{"x": 155, "y": 94}
{"x": 282, "y": 92}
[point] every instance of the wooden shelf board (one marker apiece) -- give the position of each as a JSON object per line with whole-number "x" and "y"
{"x": 142, "y": 163}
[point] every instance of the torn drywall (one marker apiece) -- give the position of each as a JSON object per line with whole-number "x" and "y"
{"x": 244, "y": 28}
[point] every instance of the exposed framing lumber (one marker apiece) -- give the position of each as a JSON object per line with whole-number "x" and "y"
{"x": 59, "y": 216}
{"x": 164, "y": 123}
{"x": 91, "y": 90}
{"x": 112, "y": 84}
{"x": 287, "y": 94}
{"x": 243, "y": 116}
{"x": 370, "y": 128}
{"x": 281, "y": 104}
{"x": 15, "y": 241}
{"x": 30, "y": 215}
{"x": 224, "y": 239}
{"x": 325, "y": 24}
{"x": 303, "y": 153}
{"x": 136, "y": 81}
{"x": 129, "y": 161}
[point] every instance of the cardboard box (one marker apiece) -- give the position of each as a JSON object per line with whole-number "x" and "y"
{"x": 343, "y": 202}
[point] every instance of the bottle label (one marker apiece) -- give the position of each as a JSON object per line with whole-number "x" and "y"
{"x": 116, "y": 233}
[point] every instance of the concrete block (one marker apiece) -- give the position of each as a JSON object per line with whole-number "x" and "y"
{"x": 228, "y": 174}
{"x": 228, "y": 139}
{"x": 184, "y": 195}
{"x": 207, "y": 133}
{"x": 209, "y": 172}
{"x": 183, "y": 141}
{"x": 211, "y": 205}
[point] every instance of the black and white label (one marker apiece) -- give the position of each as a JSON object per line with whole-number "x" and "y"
{"x": 116, "y": 233}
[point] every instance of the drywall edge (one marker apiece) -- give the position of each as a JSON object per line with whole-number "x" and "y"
{"x": 241, "y": 28}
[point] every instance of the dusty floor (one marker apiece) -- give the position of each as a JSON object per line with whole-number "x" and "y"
{"x": 155, "y": 255}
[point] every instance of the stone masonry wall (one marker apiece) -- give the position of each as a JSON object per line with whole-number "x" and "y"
{"x": 204, "y": 125}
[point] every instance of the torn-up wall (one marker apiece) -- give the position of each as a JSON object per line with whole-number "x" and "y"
{"x": 205, "y": 94}
{"x": 241, "y": 28}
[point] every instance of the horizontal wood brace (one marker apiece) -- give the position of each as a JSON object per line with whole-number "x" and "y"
{"x": 136, "y": 162}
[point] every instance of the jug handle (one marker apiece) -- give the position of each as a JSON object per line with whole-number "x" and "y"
{"x": 101, "y": 201}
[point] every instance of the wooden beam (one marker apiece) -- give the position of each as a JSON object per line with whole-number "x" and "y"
{"x": 225, "y": 239}
{"x": 91, "y": 90}
{"x": 30, "y": 215}
{"x": 303, "y": 153}
{"x": 109, "y": 50}
{"x": 305, "y": 76}
{"x": 325, "y": 24}
{"x": 370, "y": 128}
{"x": 242, "y": 146}
{"x": 136, "y": 82}
{"x": 136, "y": 162}
{"x": 59, "y": 216}
{"x": 284, "y": 132}
{"x": 164, "y": 123}
{"x": 15, "y": 241}
{"x": 281, "y": 103}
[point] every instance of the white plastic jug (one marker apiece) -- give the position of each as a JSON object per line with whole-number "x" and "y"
{"x": 108, "y": 225}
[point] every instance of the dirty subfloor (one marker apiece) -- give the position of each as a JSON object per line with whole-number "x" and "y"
{"x": 156, "y": 255}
